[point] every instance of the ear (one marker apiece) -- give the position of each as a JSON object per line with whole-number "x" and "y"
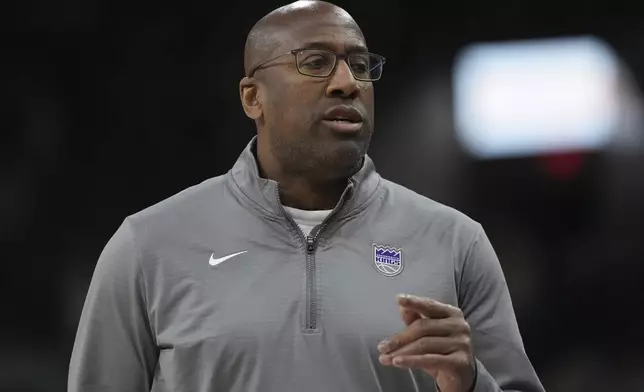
{"x": 249, "y": 95}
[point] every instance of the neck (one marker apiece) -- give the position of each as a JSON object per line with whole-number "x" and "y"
{"x": 300, "y": 191}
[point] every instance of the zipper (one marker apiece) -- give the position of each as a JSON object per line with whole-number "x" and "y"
{"x": 310, "y": 244}
{"x": 311, "y": 286}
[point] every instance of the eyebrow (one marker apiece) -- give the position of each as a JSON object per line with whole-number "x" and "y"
{"x": 348, "y": 47}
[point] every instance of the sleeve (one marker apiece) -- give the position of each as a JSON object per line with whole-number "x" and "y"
{"x": 484, "y": 298}
{"x": 114, "y": 349}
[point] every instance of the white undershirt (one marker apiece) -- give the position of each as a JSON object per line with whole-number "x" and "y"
{"x": 307, "y": 220}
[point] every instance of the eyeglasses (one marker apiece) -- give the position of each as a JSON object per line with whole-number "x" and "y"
{"x": 320, "y": 63}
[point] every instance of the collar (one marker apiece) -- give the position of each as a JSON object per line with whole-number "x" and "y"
{"x": 264, "y": 193}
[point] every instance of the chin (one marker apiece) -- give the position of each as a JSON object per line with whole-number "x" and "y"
{"x": 344, "y": 160}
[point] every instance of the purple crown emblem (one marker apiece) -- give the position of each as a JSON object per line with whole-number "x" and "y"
{"x": 387, "y": 260}
{"x": 387, "y": 253}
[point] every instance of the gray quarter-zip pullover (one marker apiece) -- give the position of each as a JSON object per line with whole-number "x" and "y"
{"x": 216, "y": 289}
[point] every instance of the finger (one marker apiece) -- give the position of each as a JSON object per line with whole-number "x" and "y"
{"x": 408, "y": 315}
{"x": 428, "y": 307}
{"x": 431, "y": 361}
{"x": 414, "y": 331}
{"x": 425, "y": 345}
{"x": 421, "y": 328}
{"x": 424, "y": 327}
{"x": 431, "y": 345}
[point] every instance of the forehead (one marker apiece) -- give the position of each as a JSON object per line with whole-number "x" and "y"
{"x": 335, "y": 32}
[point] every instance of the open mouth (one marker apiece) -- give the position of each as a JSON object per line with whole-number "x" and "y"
{"x": 343, "y": 118}
{"x": 343, "y": 125}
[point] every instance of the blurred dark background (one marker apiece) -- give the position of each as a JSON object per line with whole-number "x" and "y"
{"x": 110, "y": 106}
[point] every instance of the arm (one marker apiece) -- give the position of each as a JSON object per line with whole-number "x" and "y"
{"x": 114, "y": 350}
{"x": 484, "y": 298}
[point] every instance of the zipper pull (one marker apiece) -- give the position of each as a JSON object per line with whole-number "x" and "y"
{"x": 310, "y": 244}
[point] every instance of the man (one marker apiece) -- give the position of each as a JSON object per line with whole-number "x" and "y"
{"x": 282, "y": 274}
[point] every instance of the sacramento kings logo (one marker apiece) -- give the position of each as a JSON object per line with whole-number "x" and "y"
{"x": 387, "y": 260}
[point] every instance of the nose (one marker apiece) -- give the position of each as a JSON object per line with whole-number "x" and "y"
{"x": 342, "y": 83}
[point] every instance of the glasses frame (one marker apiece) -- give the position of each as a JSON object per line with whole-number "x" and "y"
{"x": 338, "y": 56}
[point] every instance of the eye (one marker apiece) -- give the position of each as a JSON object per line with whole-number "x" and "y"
{"x": 315, "y": 61}
{"x": 360, "y": 64}
{"x": 360, "y": 67}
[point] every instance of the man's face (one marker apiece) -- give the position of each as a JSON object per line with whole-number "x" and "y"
{"x": 296, "y": 108}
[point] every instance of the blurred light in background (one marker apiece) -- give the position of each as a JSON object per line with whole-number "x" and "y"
{"x": 537, "y": 97}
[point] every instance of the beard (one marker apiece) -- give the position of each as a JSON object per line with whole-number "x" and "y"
{"x": 317, "y": 154}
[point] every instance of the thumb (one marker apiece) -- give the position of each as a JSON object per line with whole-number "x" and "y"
{"x": 408, "y": 315}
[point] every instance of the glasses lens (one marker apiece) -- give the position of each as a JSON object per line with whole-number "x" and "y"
{"x": 315, "y": 62}
{"x": 365, "y": 66}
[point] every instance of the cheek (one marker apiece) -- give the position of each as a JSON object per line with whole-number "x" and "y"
{"x": 367, "y": 98}
{"x": 293, "y": 106}
{"x": 367, "y": 95}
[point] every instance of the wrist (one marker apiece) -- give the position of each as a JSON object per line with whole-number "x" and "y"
{"x": 475, "y": 370}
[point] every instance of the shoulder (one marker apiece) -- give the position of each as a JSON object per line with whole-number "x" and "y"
{"x": 426, "y": 211}
{"x": 180, "y": 209}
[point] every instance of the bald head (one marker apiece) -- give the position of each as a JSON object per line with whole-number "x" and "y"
{"x": 264, "y": 38}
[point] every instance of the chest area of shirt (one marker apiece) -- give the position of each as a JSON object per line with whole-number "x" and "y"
{"x": 253, "y": 291}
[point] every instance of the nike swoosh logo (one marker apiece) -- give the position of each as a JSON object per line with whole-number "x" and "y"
{"x": 213, "y": 261}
